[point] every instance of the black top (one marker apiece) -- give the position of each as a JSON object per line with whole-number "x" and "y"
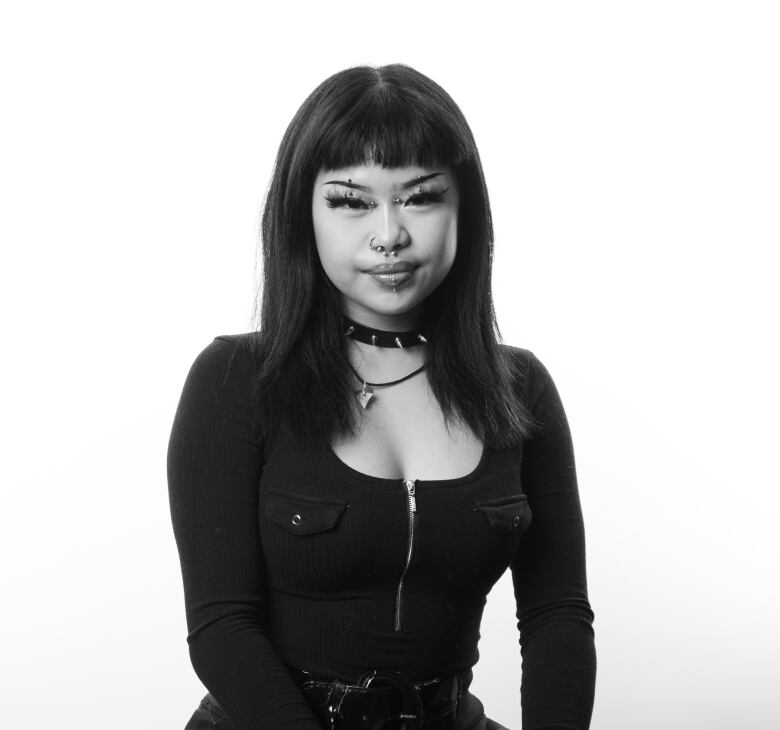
{"x": 292, "y": 558}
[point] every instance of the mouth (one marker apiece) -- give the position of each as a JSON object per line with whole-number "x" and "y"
{"x": 397, "y": 267}
{"x": 392, "y": 279}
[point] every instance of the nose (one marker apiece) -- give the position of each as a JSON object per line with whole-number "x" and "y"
{"x": 391, "y": 234}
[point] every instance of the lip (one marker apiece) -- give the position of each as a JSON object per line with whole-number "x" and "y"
{"x": 395, "y": 268}
{"x": 393, "y": 280}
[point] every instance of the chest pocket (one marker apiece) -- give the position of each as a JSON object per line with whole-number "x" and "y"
{"x": 302, "y": 515}
{"x": 509, "y": 513}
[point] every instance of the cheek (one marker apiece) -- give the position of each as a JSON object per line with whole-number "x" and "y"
{"x": 443, "y": 234}
{"x": 327, "y": 240}
{"x": 336, "y": 249}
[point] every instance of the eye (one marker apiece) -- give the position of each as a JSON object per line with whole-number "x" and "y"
{"x": 425, "y": 198}
{"x": 341, "y": 200}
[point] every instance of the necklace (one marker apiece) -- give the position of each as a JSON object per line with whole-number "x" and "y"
{"x": 382, "y": 338}
{"x": 366, "y": 392}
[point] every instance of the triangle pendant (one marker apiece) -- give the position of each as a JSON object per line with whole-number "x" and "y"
{"x": 364, "y": 395}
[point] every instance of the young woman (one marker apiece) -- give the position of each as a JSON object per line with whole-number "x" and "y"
{"x": 348, "y": 482}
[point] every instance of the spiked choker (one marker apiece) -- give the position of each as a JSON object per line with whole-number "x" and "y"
{"x": 382, "y": 338}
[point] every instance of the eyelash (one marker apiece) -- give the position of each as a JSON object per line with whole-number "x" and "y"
{"x": 342, "y": 200}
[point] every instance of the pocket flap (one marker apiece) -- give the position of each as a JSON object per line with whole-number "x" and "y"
{"x": 507, "y": 513}
{"x": 301, "y": 515}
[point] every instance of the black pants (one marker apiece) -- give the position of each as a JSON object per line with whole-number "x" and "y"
{"x": 210, "y": 716}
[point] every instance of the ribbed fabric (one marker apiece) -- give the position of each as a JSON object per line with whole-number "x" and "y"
{"x": 291, "y": 557}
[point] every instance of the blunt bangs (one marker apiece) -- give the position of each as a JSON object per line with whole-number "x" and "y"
{"x": 389, "y": 126}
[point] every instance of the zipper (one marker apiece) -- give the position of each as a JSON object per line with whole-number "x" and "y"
{"x": 409, "y": 484}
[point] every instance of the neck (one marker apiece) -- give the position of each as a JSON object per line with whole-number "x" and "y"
{"x": 384, "y": 363}
{"x": 383, "y": 338}
{"x": 378, "y": 347}
{"x": 403, "y": 322}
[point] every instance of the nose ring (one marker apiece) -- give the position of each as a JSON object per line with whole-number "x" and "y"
{"x": 382, "y": 249}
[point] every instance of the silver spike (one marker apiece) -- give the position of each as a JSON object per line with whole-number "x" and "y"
{"x": 373, "y": 339}
{"x": 350, "y": 330}
{"x": 421, "y": 338}
{"x": 398, "y": 342}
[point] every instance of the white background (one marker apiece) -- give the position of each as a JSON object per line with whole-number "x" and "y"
{"x": 631, "y": 152}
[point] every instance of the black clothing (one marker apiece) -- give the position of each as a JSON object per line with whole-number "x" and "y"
{"x": 210, "y": 716}
{"x": 290, "y": 557}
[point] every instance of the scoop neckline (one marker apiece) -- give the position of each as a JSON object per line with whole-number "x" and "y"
{"x": 387, "y": 481}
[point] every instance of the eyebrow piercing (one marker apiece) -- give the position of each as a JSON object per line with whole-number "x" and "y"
{"x": 396, "y": 199}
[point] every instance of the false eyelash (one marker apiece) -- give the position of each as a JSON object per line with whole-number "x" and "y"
{"x": 337, "y": 201}
{"x": 428, "y": 196}
{"x": 340, "y": 199}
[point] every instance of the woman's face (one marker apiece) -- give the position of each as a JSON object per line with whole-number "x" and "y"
{"x": 410, "y": 210}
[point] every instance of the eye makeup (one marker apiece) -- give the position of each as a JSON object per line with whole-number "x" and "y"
{"x": 414, "y": 182}
{"x": 348, "y": 199}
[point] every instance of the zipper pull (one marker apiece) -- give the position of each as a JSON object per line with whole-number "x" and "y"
{"x": 410, "y": 484}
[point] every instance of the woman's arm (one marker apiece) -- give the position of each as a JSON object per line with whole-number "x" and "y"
{"x": 214, "y": 467}
{"x": 554, "y": 616}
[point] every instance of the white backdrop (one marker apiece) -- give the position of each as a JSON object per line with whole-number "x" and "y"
{"x": 631, "y": 152}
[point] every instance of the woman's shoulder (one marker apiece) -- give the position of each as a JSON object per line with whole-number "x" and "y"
{"x": 243, "y": 340}
{"x": 518, "y": 354}
{"x": 225, "y": 358}
{"x": 521, "y": 358}
{"x": 531, "y": 370}
{"x": 241, "y": 343}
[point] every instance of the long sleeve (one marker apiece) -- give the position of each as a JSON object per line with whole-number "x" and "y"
{"x": 554, "y": 616}
{"x": 214, "y": 466}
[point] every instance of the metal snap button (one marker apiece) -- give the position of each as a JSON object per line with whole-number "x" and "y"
{"x": 296, "y": 519}
{"x": 516, "y": 520}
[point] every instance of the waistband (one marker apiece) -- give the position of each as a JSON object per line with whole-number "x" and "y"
{"x": 383, "y": 699}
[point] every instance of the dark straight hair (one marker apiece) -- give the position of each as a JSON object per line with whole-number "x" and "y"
{"x": 393, "y": 116}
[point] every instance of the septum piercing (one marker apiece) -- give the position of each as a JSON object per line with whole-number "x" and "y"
{"x": 381, "y": 249}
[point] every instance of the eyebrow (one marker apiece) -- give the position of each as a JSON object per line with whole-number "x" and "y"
{"x": 403, "y": 186}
